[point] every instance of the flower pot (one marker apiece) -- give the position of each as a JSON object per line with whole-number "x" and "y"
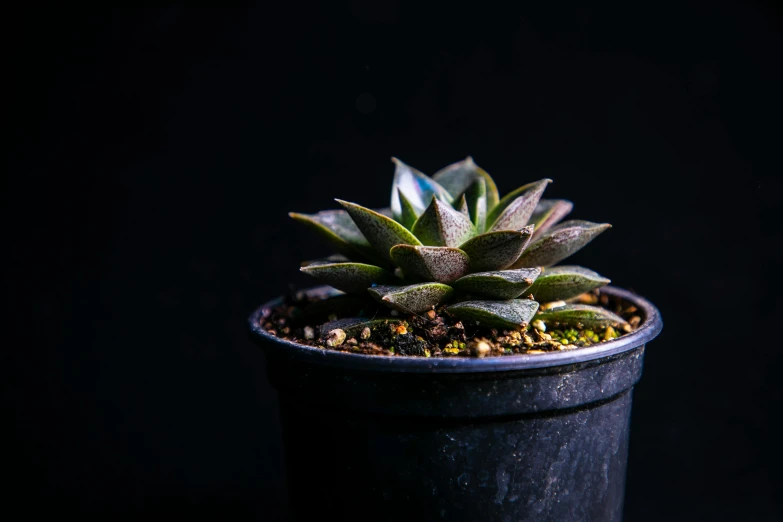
{"x": 521, "y": 437}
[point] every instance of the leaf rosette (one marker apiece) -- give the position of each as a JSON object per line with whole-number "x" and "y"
{"x": 450, "y": 239}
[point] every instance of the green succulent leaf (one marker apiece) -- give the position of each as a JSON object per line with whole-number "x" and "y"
{"x": 515, "y": 209}
{"x": 511, "y": 314}
{"x": 349, "y": 277}
{"x": 578, "y": 314}
{"x": 462, "y": 206}
{"x": 412, "y": 298}
{"x": 441, "y": 264}
{"x": 382, "y": 232}
{"x": 476, "y": 197}
{"x": 354, "y": 327}
{"x": 457, "y": 177}
{"x": 441, "y": 225}
{"x": 564, "y": 282}
{"x": 408, "y": 214}
{"x": 560, "y": 242}
{"x": 548, "y": 213}
{"x": 502, "y": 284}
{"x": 417, "y": 187}
{"x": 496, "y": 250}
{"x": 509, "y": 198}
{"x": 340, "y": 231}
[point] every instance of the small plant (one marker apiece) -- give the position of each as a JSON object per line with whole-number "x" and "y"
{"x": 383, "y": 355}
{"x": 449, "y": 242}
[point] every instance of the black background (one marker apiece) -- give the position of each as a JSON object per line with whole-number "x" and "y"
{"x": 157, "y": 151}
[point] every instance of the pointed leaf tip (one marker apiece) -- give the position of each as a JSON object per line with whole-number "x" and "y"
{"x": 578, "y": 314}
{"x": 560, "y": 242}
{"x": 515, "y": 209}
{"x": 340, "y": 231}
{"x": 496, "y": 250}
{"x": 457, "y": 177}
{"x": 442, "y": 264}
{"x": 349, "y": 277}
{"x": 408, "y": 213}
{"x": 462, "y": 206}
{"x": 381, "y": 231}
{"x": 502, "y": 284}
{"x": 417, "y": 187}
{"x": 475, "y": 197}
{"x": 441, "y": 225}
{"x": 548, "y": 213}
{"x": 565, "y": 282}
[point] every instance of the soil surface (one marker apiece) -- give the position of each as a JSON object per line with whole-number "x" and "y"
{"x": 356, "y": 324}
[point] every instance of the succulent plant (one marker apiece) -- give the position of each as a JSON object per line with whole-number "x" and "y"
{"x": 450, "y": 239}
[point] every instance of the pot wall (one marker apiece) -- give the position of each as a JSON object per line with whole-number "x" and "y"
{"x": 526, "y": 437}
{"x": 567, "y": 467}
{"x": 360, "y": 458}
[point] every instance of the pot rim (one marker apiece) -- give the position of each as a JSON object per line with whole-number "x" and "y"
{"x": 649, "y": 329}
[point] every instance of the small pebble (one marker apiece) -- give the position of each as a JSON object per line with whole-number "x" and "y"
{"x": 335, "y": 337}
{"x": 588, "y": 299}
{"x": 609, "y": 334}
{"x": 479, "y": 348}
{"x": 309, "y": 333}
{"x": 539, "y": 325}
{"x": 366, "y": 333}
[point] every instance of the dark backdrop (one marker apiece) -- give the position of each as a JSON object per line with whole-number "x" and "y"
{"x": 158, "y": 151}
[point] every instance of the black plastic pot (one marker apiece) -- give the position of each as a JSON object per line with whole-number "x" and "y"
{"x": 523, "y": 437}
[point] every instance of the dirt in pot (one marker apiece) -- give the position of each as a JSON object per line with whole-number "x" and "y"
{"x": 357, "y": 324}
